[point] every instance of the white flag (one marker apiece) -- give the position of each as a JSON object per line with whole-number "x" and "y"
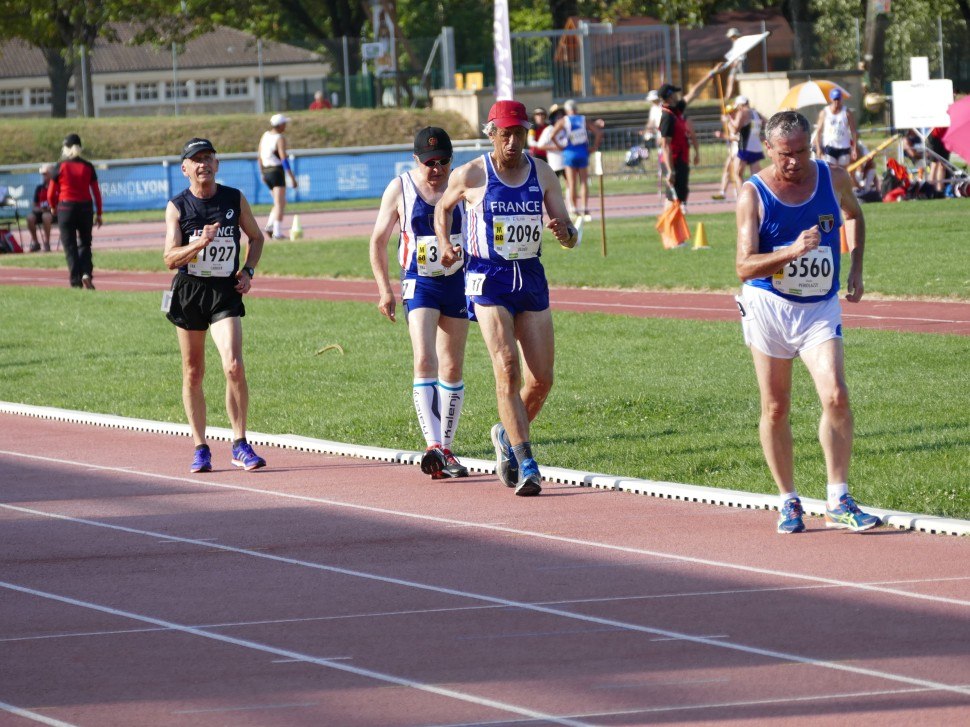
{"x": 504, "y": 85}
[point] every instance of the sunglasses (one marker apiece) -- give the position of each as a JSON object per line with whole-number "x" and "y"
{"x": 432, "y": 163}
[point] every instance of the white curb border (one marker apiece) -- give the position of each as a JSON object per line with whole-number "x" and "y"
{"x": 664, "y": 490}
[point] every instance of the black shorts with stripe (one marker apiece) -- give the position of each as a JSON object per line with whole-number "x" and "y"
{"x": 199, "y": 302}
{"x": 274, "y": 177}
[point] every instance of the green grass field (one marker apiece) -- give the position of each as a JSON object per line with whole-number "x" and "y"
{"x": 662, "y": 399}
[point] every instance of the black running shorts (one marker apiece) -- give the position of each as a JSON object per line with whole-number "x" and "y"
{"x": 199, "y": 302}
{"x": 273, "y": 176}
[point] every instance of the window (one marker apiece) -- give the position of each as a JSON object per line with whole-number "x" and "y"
{"x": 237, "y": 87}
{"x": 183, "y": 89}
{"x": 208, "y": 88}
{"x": 146, "y": 91}
{"x": 116, "y": 93}
{"x": 11, "y": 97}
{"x": 40, "y": 97}
{"x": 71, "y": 100}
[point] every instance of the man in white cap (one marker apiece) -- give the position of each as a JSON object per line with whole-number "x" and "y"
{"x": 273, "y": 165}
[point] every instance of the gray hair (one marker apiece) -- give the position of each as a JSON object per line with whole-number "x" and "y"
{"x": 786, "y": 123}
{"x": 489, "y": 128}
{"x": 570, "y": 105}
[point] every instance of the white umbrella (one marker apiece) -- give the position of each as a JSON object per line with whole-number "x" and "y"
{"x": 810, "y": 93}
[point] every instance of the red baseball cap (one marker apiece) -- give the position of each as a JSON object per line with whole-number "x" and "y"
{"x": 509, "y": 113}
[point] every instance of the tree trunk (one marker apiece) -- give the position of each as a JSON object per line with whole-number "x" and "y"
{"x": 561, "y": 11}
{"x": 798, "y": 13}
{"x": 875, "y": 45}
{"x": 59, "y": 72}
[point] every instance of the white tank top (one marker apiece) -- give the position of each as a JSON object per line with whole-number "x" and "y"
{"x": 268, "y": 154}
{"x": 835, "y": 129}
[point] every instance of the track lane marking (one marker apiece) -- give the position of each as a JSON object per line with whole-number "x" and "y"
{"x": 656, "y": 631}
{"x": 35, "y": 716}
{"x": 289, "y": 654}
{"x": 494, "y": 528}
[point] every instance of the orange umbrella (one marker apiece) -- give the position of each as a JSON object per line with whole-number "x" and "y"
{"x": 810, "y": 93}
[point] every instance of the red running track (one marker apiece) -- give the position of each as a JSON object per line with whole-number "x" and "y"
{"x": 335, "y": 591}
{"x": 895, "y": 315}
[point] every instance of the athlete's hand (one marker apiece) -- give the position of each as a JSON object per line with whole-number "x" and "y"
{"x": 853, "y": 287}
{"x": 563, "y": 229}
{"x": 450, "y": 255}
{"x": 387, "y": 306}
{"x": 808, "y": 240}
{"x": 243, "y": 282}
{"x": 209, "y": 233}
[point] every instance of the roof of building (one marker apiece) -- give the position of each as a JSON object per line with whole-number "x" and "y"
{"x": 220, "y": 48}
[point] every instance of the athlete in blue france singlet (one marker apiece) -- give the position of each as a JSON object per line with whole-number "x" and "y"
{"x": 425, "y": 282}
{"x": 503, "y": 244}
{"x": 814, "y": 276}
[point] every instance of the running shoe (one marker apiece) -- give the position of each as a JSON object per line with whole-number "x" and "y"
{"x": 87, "y": 282}
{"x": 790, "y": 520}
{"x": 505, "y": 465}
{"x": 848, "y": 515}
{"x": 529, "y": 479}
{"x": 717, "y": 195}
{"x": 244, "y": 456}
{"x": 202, "y": 460}
{"x": 433, "y": 460}
{"x": 452, "y": 468}
{"x": 587, "y": 216}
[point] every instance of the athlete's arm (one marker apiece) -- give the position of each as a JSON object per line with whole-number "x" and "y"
{"x": 817, "y": 136}
{"x": 855, "y": 232}
{"x": 177, "y": 255}
{"x": 559, "y": 223}
{"x": 749, "y": 263}
{"x": 281, "y": 151}
{"x": 254, "y": 245}
{"x": 597, "y": 136}
{"x": 853, "y": 136}
{"x": 388, "y": 218}
{"x": 462, "y": 180}
{"x": 559, "y": 126}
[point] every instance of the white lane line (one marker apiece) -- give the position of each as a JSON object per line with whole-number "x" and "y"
{"x": 494, "y": 528}
{"x": 246, "y": 708}
{"x": 370, "y": 615}
{"x": 656, "y": 631}
{"x": 289, "y": 654}
{"x": 27, "y": 714}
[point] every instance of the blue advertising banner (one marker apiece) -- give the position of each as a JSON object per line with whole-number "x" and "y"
{"x": 320, "y": 177}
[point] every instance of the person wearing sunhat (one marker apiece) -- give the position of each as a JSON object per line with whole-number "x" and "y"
{"x": 274, "y": 164}
{"x": 203, "y": 226}
{"x": 835, "y": 133}
{"x": 540, "y": 120}
{"x": 433, "y": 295}
{"x": 75, "y": 200}
{"x": 504, "y": 192}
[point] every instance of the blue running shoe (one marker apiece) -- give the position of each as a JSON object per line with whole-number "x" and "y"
{"x": 244, "y": 456}
{"x": 202, "y": 460}
{"x": 790, "y": 520}
{"x": 529, "y": 479}
{"x": 848, "y": 515}
{"x": 506, "y": 467}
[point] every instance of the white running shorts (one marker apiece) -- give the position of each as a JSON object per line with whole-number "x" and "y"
{"x": 782, "y": 328}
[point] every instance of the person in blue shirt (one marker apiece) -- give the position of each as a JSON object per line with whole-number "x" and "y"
{"x": 504, "y": 192}
{"x": 788, "y": 257}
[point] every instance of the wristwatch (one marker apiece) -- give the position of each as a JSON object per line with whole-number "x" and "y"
{"x": 251, "y": 272}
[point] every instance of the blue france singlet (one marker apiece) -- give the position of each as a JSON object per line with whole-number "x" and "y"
{"x": 417, "y": 247}
{"x": 506, "y": 226}
{"x": 814, "y": 276}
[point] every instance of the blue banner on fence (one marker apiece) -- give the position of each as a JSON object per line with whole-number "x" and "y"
{"x": 320, "y": 178}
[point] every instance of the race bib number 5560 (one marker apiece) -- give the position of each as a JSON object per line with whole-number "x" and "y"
{"x": 809, "y": 275}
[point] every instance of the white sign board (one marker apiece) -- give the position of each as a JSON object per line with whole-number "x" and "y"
{"x": 370, "y": 51}
{"x": 922, "y": 104}
{"x": 919, "y": 68}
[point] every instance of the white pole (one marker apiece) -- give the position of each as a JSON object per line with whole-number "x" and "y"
{"x": 261, "y": 93}
{"x": 346, "y": 74}
{"x": 175, "y": 77}
{"x": 939, "y": 35}
{"x": 504, "y": 82}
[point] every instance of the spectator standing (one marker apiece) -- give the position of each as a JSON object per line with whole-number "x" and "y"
{"x": 939, "y": 160}
{"x": 203, "y": 226}
{"x": 575, "y": 156}
{"x": 274, "y": 164}
{"x": 540, "y": 121}
{"x": 434, "y": 296}
{"x": 677, "y": 135}
{"x": 320, "y": 102}
{"x": 40, "y": 213}
{"x": 553, "y": 141}
{"x": 835, "y": 134}
{"x": 75, "y": 199}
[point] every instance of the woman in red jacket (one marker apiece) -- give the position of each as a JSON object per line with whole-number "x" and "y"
{"x": 74, "y": 195}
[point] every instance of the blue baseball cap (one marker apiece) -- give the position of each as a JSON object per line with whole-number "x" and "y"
{"x": 835, "y": 94}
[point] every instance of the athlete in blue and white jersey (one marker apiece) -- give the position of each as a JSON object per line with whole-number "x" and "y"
{"x": 575, "y": 156}
{"x": 788, "y": 221}
{"x": 433, "y": 295}
{"x": 504, "y": 192}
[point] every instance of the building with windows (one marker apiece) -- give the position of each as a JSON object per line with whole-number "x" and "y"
{"x": 224, "y": 71}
